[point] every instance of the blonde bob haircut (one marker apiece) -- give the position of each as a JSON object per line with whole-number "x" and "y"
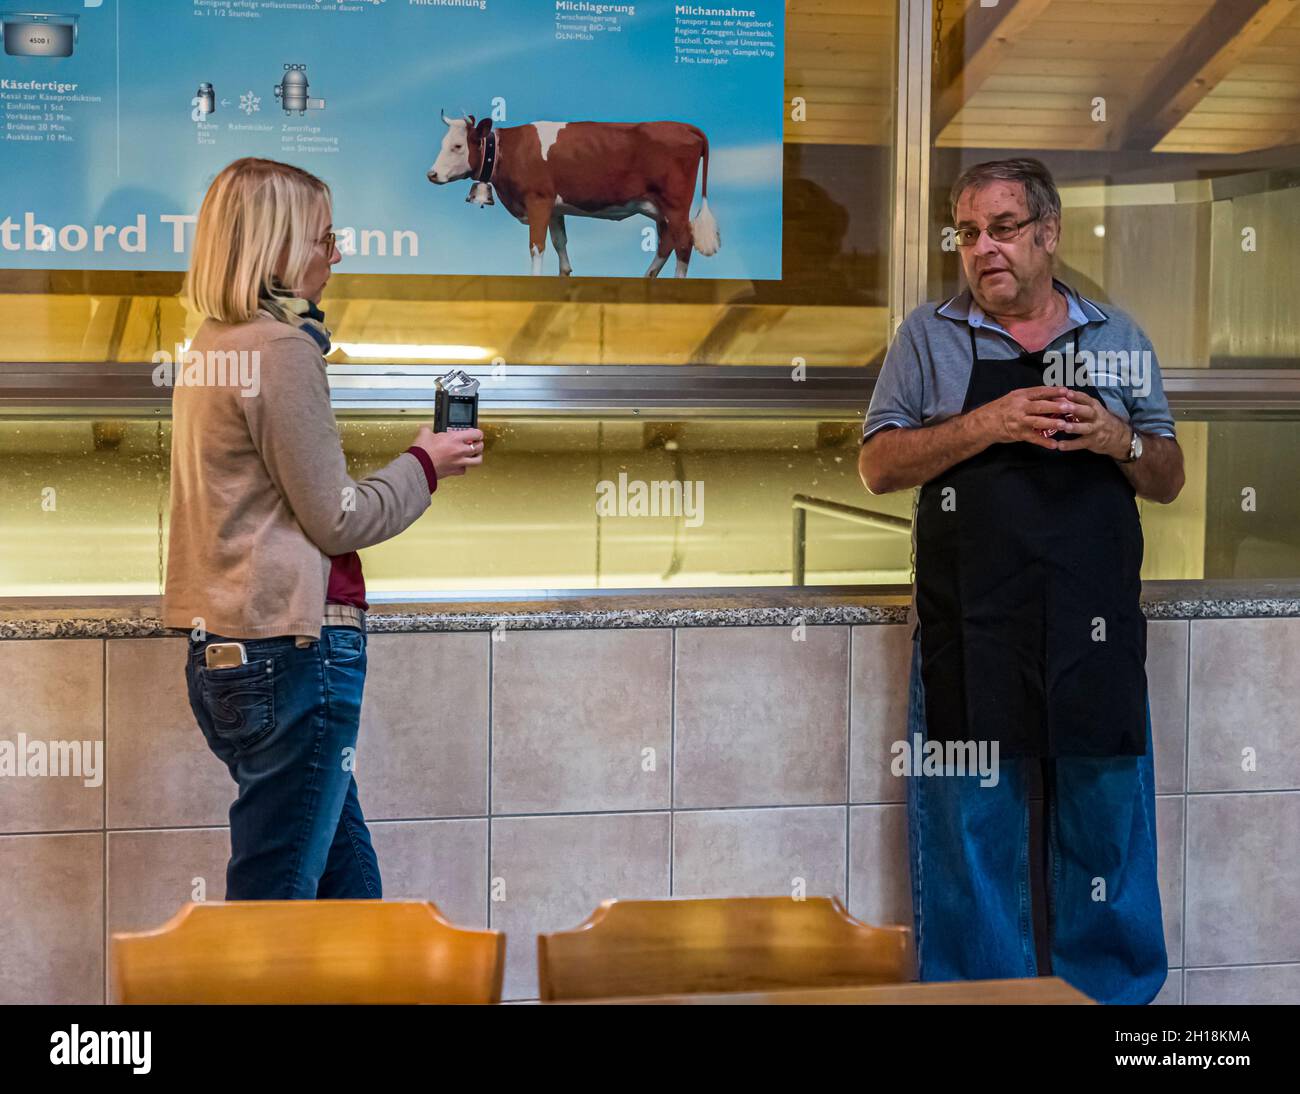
{"x": 254, "y": 212}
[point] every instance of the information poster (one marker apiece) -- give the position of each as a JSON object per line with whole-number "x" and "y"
{"x": 596, "y": 118}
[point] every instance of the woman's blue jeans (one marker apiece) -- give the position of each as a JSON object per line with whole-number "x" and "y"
{"x": 285, "y": 725}
{"x": 971, "y": 890}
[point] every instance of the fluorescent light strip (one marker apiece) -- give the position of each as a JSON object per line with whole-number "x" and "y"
{"x": 383, "y": 351}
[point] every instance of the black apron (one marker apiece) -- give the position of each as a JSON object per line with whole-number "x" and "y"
{"x": 1027, "y": 591}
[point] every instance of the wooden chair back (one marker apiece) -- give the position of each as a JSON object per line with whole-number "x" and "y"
{"x": 309, "y": 951}
{"x": 670, "y": 947}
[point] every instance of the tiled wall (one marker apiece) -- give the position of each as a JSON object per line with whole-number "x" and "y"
{"x": 553, "y": 769}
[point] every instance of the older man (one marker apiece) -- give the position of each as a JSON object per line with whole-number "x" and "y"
{"x": 1030, "y": 417}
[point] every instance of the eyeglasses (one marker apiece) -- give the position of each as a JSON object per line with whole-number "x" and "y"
{"x": 999, "y": 233}
{"x": 328, "y": 239}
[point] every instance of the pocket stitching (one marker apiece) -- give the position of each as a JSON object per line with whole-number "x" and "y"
{"x": 258, "y": 683}
{"x": 345, "y": 649}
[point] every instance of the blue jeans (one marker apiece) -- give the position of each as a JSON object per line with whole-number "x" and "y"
{"x": 971, "y": 889}
{"x": 285, "y": 725}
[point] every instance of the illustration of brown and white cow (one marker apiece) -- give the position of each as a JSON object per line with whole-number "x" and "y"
{"x": 546, "y": 171}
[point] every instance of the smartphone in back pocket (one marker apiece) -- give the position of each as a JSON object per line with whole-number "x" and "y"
{"x": 225, "y": 655}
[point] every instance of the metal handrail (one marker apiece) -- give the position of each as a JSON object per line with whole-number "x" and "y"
{"x": 803, "y": 504}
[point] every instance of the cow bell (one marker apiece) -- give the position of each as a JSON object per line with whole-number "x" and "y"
{"x": 480, "y": 193}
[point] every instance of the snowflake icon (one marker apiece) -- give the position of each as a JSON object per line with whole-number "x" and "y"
{"x": 249, "y": 103}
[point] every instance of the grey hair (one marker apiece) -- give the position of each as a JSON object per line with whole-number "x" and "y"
{"x": 1040, "y": 190}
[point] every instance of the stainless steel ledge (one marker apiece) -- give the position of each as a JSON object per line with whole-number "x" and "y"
{"x": 127, "y": 390}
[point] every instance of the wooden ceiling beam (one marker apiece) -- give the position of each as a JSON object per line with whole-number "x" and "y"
{"x": 547, "y": 324}
{"x": 972, "y": 49}
{"x": 1194, "y": 66}
{"x": 731, "y": 325}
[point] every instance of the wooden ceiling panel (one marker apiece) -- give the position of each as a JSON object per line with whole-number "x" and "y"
{"x": 1091, "y": 50}
{"x": 1255, "y": 103}
{"x": 839, "y": 58}
{"x": 972, "y": 49}
{"x": 1177, "y": 75}
{"x": 1113, "y": 13}
{"x": 867, "y": 9}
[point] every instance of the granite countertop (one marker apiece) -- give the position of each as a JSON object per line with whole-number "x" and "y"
{"x": 139, "y": 616}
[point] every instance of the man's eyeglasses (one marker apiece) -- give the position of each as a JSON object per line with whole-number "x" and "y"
{"x": 1002, "y": 232}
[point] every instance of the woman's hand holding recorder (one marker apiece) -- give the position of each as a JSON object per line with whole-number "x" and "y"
{"x": 453, "y": 452}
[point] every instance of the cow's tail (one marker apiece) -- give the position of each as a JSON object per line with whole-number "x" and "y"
{"x": 704, "y": 228}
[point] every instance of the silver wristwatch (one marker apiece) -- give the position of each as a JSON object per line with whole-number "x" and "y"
{"x": 1134, "y": 447}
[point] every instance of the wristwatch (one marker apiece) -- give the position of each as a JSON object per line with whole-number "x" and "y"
{"x": 1134, "y": 447}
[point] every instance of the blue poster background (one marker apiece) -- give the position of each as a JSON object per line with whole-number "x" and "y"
{"x": 384, "y": 68}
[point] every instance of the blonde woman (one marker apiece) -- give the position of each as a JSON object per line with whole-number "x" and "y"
{"x": 263, "y": 569}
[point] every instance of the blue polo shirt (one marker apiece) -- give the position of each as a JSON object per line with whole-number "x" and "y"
{"x": 928, "y": 367}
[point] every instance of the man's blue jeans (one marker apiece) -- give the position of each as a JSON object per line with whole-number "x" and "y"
{"x": 285, "y": 725}
{"x": 971, "y": 890}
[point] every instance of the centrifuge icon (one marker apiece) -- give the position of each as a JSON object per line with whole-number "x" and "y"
{"x": 292, "y": 91}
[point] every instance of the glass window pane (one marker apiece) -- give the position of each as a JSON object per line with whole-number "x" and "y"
{"x": 531, "y": 518}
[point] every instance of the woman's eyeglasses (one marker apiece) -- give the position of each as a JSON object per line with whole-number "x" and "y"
{"x": 328, "y": 239}
{"x": 1002, "y": 232}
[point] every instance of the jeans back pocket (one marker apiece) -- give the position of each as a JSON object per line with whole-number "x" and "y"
{"x": 344, "y": 645}
{"x": 240, "y": 701}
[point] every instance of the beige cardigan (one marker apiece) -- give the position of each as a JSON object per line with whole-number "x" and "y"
{"x": 260, "y": 494}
